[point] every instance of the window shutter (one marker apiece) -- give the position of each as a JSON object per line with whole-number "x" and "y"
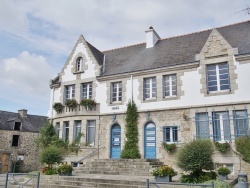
{"x": 207, "y": 80}
{"x": 229, "y": 85}
{"x": 164, "y": 133}
{"x": 111, "y": 93}
{"x": 121, "y": 90}
{"x": 63, "y": 133}
{"x": 155, "y": 88}
{"x": 197, "y": 126}
{"x": 163, "y": 83}
{"x": 74, "y": 130}
{"x": 144, "y": 85}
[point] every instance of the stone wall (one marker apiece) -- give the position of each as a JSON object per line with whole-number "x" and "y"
{"x": 25, "y": 148}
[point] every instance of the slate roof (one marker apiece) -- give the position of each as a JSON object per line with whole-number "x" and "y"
{"x": 31, "y": 123}
{"x": 172, "y": 51}
{"x": 97, "y": 54}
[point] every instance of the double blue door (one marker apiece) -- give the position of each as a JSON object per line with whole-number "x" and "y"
{"x": 150, "y": 141}
{"x": 115, "y": 141}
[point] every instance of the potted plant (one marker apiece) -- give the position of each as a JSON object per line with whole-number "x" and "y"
{"x": 58, "y": 107}
{"x": 65, "y": 170}
{"x": 222, "y": 147}
{"x": 71, "y": 103}
{"x": 223, "y": 173}
{"x": 169, "y": 147}
{"x": 87, "y": 103}
{"x": 163, "y": 173}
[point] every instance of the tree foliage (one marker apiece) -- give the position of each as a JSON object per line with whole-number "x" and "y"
{"x": 51, "y": 155}
{"x": 242, "y": 145}
{"x": 46, "y": 135}
{"x": 196, "y": 156}
{"x": 131, "y": 150}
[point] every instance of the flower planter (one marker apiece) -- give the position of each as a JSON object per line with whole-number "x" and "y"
{"x": 223, "y": 177}
{"x": 163, "y": 178}
{"x": 65, "y": 174}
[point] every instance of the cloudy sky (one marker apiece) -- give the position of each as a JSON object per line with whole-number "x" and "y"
{"x": 37, "y": 36}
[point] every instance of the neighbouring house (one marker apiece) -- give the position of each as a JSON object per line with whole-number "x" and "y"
{"x": 18, "y": 132}
{"x": 193, "y": 86}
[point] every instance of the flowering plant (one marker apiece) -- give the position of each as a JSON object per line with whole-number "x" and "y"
{"x": 164, "y": 171}
{"x": 169, "y": 147}
{"x": 65, "y": 168}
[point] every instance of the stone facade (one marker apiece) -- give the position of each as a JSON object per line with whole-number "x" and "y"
{"x": 187, "y": 57}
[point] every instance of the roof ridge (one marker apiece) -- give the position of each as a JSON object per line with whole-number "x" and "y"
{"x": 123, "y": 47}
{"x": 177, "y": 36}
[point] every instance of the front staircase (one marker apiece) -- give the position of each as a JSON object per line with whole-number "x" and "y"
{"x": 105, "y": 173}
{"x": 137, "y": 167}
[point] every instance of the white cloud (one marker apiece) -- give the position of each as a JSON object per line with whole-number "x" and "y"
{"x": 27, "y": 73}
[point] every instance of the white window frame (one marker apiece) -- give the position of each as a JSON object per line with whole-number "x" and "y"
{"x": 79, "y": 64}
{"x": 57, "y": 128}
{"x": 172, "y": 130}
{"x": 77, "y": 129}
{"x": 94, "y": 128}
{"x": 87, "y": 90}
{"x": 152, "y": 90}
{"x": 239, "y": 117}
{"x": 218, "y": 80}
{"x": 117, "y": 91}
{"x": 168, "y": 81}
{"x": 65, "y": 131}
{"x": 69, "y": 92}
{"x": 221, "y": 120}
{"x": 202, "y": 126}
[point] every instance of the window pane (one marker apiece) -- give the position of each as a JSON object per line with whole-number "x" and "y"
{"x": 202, "y": 126}
{"x": 91, "y": 132}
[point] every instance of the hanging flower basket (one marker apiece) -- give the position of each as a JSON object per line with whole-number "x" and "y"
{"x": 222, "y": 147}
{"x": 88, "y": 103}
{"x": 71, "y": 103}
{"x": 169, "y": 147}
{"x": 58, "y": 107}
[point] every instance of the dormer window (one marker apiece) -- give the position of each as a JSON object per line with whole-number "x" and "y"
{"x": 17, "y": 126}
{"x": 79, "y": 64}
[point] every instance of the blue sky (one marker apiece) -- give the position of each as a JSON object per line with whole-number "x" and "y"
{"x": 37, "y": 36}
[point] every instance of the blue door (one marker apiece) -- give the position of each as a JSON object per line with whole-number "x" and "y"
{"x": 150, "y": 141}
{"x": 115, "y": 141}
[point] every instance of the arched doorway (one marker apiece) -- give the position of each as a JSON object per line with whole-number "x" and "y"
{"x": 150, "y": 141}
{"x": 115, "y": 147}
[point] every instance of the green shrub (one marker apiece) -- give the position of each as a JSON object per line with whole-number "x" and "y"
{"x": 131, "y": 150}
{"x": 195, "y": 157}
{"x": 204, "y": 176}
{"x": 242, "y": 145}
{"x": 51, "y": 155}
{"x": 222, "y": 147}
{"x": 130, "y": 154}
{"x": 218, "y": 183}
{"x": 223, "y": 171}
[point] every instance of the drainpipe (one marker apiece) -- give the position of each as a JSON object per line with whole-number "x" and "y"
{"x": 131, "y": 87}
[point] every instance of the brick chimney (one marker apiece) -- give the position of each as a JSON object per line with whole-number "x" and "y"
{"x": 151, "y": 37}
{"x": 23, "y": 112}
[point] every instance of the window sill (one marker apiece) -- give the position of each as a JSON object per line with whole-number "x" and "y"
{"x": 150, "y": 100}
{"x": 223, "y": 92}
{"x": 116, "y": 103}
{"x": 78, "y": 72}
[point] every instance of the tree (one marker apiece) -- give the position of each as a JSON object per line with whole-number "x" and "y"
{"x": 51, "y": 155}
{"x": 242, "y": 145}
{"x": 131, "y": 150}
{"x": 196, "y": 156}
{"x": 46, "y": 135}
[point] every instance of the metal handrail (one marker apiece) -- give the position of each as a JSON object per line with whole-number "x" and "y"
{"x": 87, "y": 156}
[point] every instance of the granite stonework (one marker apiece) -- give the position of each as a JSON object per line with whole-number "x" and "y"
{"x": 26, "y": 148}
{"x": 187, "y": 57}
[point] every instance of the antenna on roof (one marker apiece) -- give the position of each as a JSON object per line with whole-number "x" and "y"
{"x": 246, "y": 9}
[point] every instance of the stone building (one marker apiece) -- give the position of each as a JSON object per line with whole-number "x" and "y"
{"x": 193, "y": 86}
{"x": 17, "y": 135}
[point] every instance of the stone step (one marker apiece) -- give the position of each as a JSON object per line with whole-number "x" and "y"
{"x": 115, "y": 173}
{"x": 96, "y": 181}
